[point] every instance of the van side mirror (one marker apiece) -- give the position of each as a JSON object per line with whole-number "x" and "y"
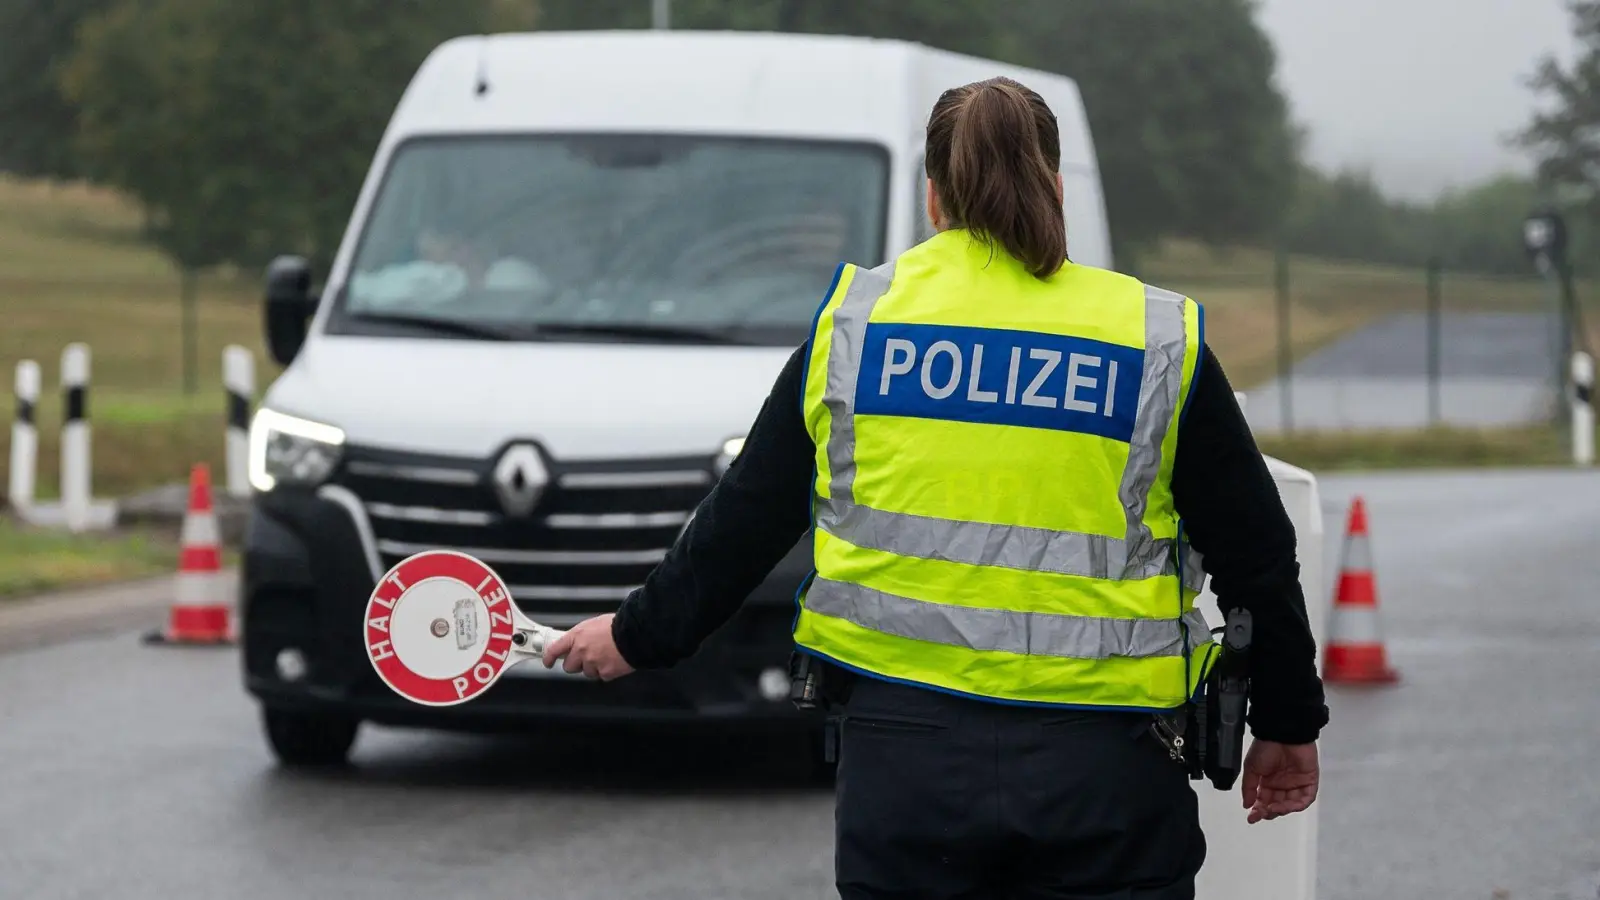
{"x": 289, "y": 307}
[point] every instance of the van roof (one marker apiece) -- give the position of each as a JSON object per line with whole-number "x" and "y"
{"x": 747, "y": 83}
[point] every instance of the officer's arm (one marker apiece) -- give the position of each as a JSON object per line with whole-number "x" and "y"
{"x": 1236, "y": 520}
{"x": 751, "y": 519}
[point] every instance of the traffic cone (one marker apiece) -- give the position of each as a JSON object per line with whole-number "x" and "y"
{"x": 1356, "y": 654}
{"x": 199, "y": 613}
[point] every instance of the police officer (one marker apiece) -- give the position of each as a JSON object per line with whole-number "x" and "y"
{"x": 1012, "y": 465}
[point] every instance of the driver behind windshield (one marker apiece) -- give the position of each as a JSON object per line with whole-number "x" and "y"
{"x": 446, "y": 266}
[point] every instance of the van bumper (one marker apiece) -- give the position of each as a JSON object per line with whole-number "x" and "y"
{"x": 305, "y": 581}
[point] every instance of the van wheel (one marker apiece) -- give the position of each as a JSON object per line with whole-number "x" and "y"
{"x": 309, "y": 740}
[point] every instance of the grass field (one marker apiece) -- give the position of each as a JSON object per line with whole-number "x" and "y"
{"x": 1432, "y": 448}
{"x": 72, "y": 269}
{"x": 33, "y": 561}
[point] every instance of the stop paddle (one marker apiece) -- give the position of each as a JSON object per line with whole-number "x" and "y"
{"x": 441, "y": 629}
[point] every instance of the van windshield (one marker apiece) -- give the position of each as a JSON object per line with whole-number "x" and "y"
{"x": 613, "y": 238}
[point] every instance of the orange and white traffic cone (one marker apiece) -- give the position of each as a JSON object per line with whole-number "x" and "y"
{"x": 200, "y": 612}
{"x": 1356, "y": 653}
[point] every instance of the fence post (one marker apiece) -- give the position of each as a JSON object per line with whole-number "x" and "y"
{"x": 191, "y": 352}
{"x": 1582, "y": 409}
{"x": 1435, "y": 313}
{"x": 1285, "y": 346}
{"x": 239, "y": 384}
{"x": 25, "y": 436}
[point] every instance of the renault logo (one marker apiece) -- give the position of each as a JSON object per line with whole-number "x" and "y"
{"x": 520, "y": 479}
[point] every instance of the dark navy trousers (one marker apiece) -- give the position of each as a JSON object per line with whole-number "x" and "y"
{"x": 947, "y": 798}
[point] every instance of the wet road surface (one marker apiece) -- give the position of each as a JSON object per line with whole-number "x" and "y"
{"x": 138, "y": 772}
{"x": 1480, "y": 771}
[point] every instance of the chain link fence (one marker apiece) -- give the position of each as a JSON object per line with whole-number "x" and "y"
{"x": 1320, "y": 346}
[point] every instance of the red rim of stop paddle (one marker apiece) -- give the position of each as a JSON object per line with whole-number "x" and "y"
{"x": 484, "y": 672}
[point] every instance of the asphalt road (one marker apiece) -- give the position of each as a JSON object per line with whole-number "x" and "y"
{"x": 1495, "y": 369}
{"x": 137, "y": 772}
{"x": 1478, "y": 773}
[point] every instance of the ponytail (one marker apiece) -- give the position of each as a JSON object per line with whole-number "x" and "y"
{"x": 993, "y": 153}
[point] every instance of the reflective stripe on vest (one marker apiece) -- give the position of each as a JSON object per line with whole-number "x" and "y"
{"x": 1007, "y": 631}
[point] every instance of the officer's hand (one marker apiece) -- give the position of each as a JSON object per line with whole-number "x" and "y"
{"x": 1279, "y": 779}
{"x": 589, "y": 648}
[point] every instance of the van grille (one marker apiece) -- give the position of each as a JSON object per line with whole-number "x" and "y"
{"x": 596, "y": 533}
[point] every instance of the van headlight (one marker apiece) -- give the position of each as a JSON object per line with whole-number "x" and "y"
{"x": 286, "y": 449}
{"x": 731, "y": 448}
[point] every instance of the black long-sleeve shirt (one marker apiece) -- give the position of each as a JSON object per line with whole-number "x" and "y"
{"x": 1232, "y": 515}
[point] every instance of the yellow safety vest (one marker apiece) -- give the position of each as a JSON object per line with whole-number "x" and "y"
{"x": 993, "y": 507}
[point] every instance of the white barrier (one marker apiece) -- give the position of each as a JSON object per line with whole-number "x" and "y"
{"x": 75, "y": 452}
{"x": 77, "y": 509}
{"x": 1582, "y": 409}
{"x": 25, "y": 436}
{"x": 1269, "y": 860}
{"x": 239, "y": 384}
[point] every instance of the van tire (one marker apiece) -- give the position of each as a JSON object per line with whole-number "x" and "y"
{"x": 309, "y": 740}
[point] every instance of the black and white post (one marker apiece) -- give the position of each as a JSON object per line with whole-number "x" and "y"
{"x": 239, "y": 383}
{"x": 25, "y": 437}
{"x": 75, "y": 460}
{"x": 1582, "y": 409}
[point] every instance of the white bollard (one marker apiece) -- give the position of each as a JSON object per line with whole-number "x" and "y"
{"x": 1582, "y": 409}
{"x": 239, "y": 382}
{"x": 1233, "y": 869}
{"x": 75, "y": 460}
{"x": 25, "y": 436}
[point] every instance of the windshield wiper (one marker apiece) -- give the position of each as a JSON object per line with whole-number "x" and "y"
{"x": 675, "y": 333}
{"x": 441, "y": 325}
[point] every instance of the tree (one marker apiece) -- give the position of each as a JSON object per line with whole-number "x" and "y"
{"x": 1345, "y": 215}
{"x": 1192, "y": 134}
{"x": 245, "y": 127}
{"x": 138, "y": 81}
{"x": 261, "y": 120}
{"x": 1565, "y": 137}
{"x": 253, "y": 121}
{"x": 1479, "y": 228}
{"x": 36, "y": 122}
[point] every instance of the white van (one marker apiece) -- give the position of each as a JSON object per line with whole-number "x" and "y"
{"x": 574, "y": 270}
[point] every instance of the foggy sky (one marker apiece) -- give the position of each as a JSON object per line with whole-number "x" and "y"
{"x": 1422, "y": 92}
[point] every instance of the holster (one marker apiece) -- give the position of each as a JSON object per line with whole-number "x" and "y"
{"x": 1206, "y": 735}
{"x": 814, "y": 684}
{"x": 1215, "y": 720}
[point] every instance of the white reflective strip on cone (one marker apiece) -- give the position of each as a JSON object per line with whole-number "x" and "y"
{"x": 201, "y": 589}
{"x": 1357, "y": 554}
{"x": 1356, "y": 625}
{"x": 200, "y": 530}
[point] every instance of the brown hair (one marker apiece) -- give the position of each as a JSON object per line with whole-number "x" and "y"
{"x": 993, "y": 153}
